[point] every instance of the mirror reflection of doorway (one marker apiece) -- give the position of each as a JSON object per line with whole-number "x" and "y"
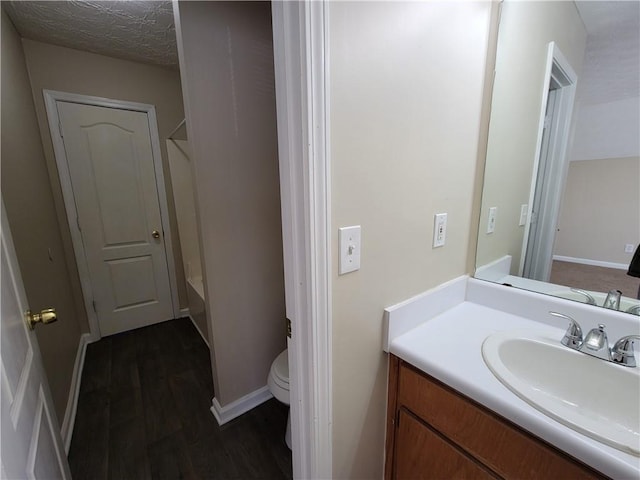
{"x": 551, "y": 167}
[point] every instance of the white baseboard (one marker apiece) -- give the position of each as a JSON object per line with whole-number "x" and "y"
{"x": 72, "y": 403}
{"x": 200, "y": 331}
{"x": 240, "y": 406}
{"x": 595, "y": 263}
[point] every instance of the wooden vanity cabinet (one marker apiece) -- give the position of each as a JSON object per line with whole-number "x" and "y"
{"x": 434, "y": 432}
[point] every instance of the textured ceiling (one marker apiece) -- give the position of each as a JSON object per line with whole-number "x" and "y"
{"x": 612, "y": 62}
{"x": 142, "y": 31}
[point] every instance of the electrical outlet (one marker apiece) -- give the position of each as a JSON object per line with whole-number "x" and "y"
{"x": 439, "y": 229}
{"x": 628, "y": 248}
{"x": 523, "y": 215}
{"x": 350, "y": 244}
{"x": 491, "y": 224}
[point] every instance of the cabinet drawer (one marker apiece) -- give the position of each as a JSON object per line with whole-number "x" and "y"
{"x": 424, "y": 454}
{"x": 501, "y": 446}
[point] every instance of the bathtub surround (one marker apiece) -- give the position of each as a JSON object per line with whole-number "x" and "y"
{"x": 185, "y": 203}
{"x": 226, "y": 64}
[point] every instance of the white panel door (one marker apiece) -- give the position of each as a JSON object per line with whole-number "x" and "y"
{"x": 110, "y": 162}
{"x": 31, "y": 442}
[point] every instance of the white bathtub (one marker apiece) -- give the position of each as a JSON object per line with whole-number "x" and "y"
{"x": 195, "y": 296}
{"x": 197, "y": 285}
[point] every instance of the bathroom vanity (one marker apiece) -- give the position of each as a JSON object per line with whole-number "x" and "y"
{"x": 450, "y": 416}
{"x": 434, "y": 432}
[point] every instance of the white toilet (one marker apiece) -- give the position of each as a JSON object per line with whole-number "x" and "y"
{"x": 279, "y": 386}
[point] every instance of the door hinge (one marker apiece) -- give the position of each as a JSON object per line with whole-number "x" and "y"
{"x": 288, "y": 328}
{"x": 93, "y": 302}
{"x": 60, "y": 129}
{"x": 78, "y": 223}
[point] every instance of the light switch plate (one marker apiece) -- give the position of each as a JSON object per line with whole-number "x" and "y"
{"x": 491, "y": 224}
{"x": 439, "y": 229}
{"x": 349, "y": 239}
{"x": 523, "y": 215}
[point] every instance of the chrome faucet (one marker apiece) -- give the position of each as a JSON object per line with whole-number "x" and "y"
{"x": 613, "y": 300}
{"x": 596, "y": 343}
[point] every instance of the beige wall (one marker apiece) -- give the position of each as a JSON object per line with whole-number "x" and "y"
{"x": 406, "y": 92}
{"x": 227, "y": 73}
{"x": 64, "y": 69}
{"x": 526, "y": 28}
{"x": 26, "y": 192}
{"x": 600, "y": 210}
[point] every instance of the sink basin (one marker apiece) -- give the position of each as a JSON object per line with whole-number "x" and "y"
{"x": 591, "y": 396}
{"x": 599, "y": 297}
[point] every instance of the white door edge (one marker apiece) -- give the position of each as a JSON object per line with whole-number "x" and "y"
{"x": 32, "y": 392}
{"x": 300, "y": 49}
{"x": 50, "y": 99}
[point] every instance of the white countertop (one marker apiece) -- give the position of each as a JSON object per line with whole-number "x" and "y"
{"x": 446, "y": 344}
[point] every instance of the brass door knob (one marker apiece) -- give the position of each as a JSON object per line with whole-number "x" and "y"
{"x": 48, "y": 315}
{"x": 155, "y": 234}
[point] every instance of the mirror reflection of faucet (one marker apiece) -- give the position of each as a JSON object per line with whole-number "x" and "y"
{"x": 635, "y": 310}
{"x": 596, "y": 343}
{"x": 590, "y": 299}
{"x": 613, "y": 300}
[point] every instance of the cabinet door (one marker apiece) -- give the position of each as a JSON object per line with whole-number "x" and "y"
{"x": 501, "y": 447}
{"x": 420, "y": 452}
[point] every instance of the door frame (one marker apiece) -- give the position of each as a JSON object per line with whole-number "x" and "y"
{"x": 300, "y": 42}
{"x": 558, "y": 68}
{"x": 50, "y": 99}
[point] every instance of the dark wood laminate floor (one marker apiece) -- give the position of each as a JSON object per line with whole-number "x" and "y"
{"x": 143, "y": 413}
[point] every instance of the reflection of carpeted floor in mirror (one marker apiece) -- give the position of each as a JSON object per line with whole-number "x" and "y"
{"x": 599, "y": 279}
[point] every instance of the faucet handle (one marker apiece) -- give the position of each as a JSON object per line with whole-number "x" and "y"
{"x": 635, "y": 310}
{"x": 622, "y": 351}
{"x": 613, "y": 300}
{"x": 573, "y": 336}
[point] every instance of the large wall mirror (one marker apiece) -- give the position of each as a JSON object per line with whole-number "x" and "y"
{"x": 561, "y": 200}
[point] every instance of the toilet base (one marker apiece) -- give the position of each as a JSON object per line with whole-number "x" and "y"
{"x": 287, "y": 433}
